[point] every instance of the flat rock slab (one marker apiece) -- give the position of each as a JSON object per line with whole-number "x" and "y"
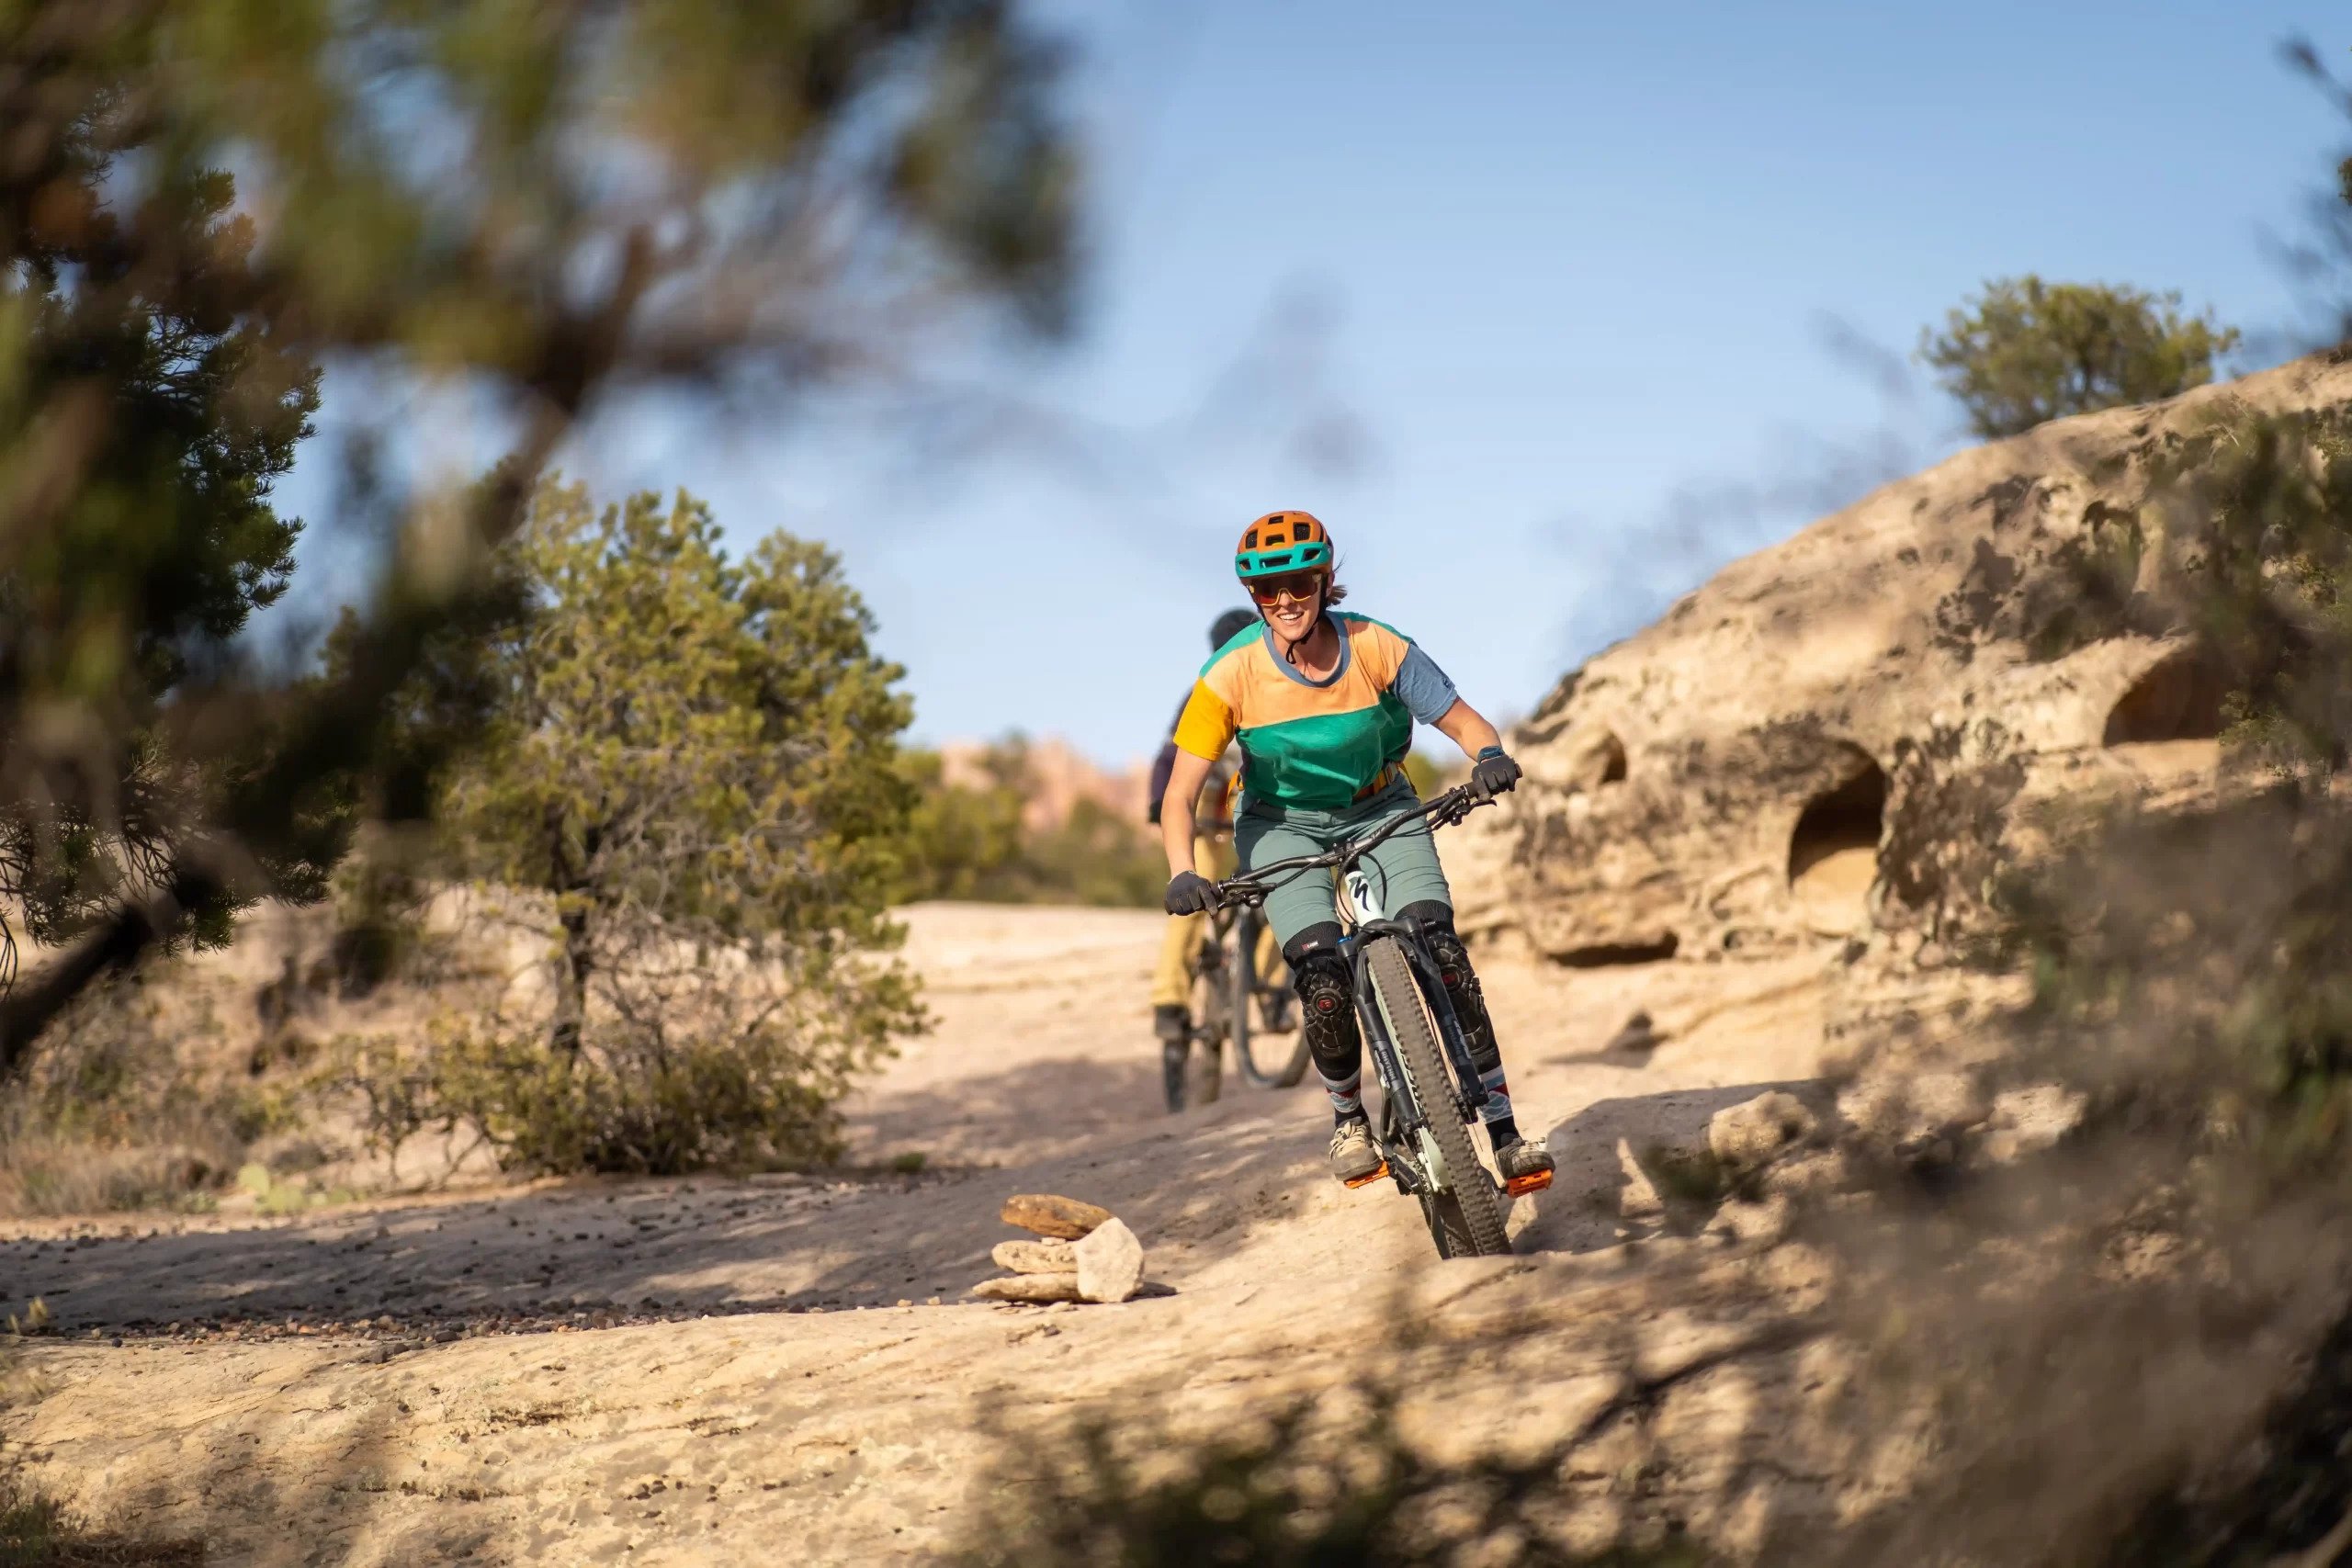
{"x": 1036, "y": 1257}
{"x": 1047, "y": 1215}
{"x": 1110, "y": 1262}
{"x": 1029, "y": 1288}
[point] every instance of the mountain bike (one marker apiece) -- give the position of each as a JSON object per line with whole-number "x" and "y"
{"x": 1430, "y": 1095}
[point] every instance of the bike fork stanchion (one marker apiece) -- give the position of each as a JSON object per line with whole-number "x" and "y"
{"x": 1398, "y": 1122}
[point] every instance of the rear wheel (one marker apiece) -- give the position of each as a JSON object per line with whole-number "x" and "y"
{"x": 1466, "y": 1221}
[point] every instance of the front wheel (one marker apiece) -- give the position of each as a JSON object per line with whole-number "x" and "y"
{"x": 1205, "y": 1074}
{"x": 1466, "y": 1219}
{"x": 1282, "y": 1068}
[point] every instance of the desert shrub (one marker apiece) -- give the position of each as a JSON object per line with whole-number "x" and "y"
{"x": 971, "y": 839}
{"x": 963, "y": 841}
{"x": 752, "y": 1089}
{"x": 690, "y": 807}
{"x": 2025, "y": 350}
{"x": 107, "y": 1117}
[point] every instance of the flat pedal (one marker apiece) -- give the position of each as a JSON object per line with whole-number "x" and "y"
{"x": 1367, "y": 1181}
{"x": 1520, "y": 1186}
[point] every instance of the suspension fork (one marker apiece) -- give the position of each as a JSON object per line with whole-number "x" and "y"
{"x": 1410, "y": 1116}
{"x": 1469, "y": 1088}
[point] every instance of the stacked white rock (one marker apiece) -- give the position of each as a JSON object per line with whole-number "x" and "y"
{"x": 1088, "y": 1254}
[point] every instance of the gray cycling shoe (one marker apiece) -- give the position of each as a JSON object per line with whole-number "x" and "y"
{"x": 1355, "y": 1159}
{"x": 1525, "y": 1163}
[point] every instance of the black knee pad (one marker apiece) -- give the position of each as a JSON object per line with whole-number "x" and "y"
{"x": 1462, "y": 987}
{"x": 1327, "y": 1002}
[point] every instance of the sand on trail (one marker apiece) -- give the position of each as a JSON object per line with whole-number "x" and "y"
{"x": 824, "y": 1410}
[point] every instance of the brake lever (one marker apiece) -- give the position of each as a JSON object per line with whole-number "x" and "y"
{"x": 1249, "y": 897}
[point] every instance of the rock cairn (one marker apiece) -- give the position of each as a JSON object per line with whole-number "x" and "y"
{"x": 1085, "y": 1254}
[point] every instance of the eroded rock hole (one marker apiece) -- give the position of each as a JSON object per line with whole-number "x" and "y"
{"x": 2177, "y": 699}
{"x": 1833, "y": 853}
{"x": 1604, "y": 954}
{"x": 1613, "y": 760}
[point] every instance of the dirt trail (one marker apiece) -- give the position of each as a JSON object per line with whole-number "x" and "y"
{"x": 527, "y": 1375}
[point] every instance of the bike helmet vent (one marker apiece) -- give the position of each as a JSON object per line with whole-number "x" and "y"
{"x": 1280, "y": 542}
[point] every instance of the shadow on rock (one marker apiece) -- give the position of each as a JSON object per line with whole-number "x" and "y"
{"x": 1194, "y": 1187}
{"x": 1638, "y": 1167}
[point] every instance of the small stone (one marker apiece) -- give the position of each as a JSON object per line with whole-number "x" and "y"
{"x": 1110, "y": 1262}
{"x": 1049, "y": 1256}
{"x": 1049, "y": 1215}
{"x": 1747, "y": 1136}
{"x": 1028, "y": 1288}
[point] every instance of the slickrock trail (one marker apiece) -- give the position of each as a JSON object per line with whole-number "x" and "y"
{"x": 712, "y": 1371}
{"x": 1754, "y": 821}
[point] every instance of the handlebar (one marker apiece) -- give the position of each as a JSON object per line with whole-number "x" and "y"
{"x": 1445, "y": 809}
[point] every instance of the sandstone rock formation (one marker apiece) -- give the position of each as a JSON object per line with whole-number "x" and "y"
{"x": 1825, "y": 737}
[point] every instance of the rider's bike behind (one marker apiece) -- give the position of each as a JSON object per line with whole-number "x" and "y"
{"x": 1179, "y": 945}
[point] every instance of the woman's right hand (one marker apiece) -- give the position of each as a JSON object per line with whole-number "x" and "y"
{"x": 1189, "y": 893}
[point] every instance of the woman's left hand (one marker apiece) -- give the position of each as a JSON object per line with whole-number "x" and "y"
{"x": 1493, "y": 772}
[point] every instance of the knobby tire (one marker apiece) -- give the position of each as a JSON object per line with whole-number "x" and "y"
{"x": 1469, "y": 1221}
{"x": 1204, "y": 1066}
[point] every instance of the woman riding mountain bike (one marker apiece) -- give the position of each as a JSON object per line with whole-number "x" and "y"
{"x": 1323, "y": 703}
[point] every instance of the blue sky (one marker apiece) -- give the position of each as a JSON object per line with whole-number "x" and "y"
{"x": 1539, "y": 305}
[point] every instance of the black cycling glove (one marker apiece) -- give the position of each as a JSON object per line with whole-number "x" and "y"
{"x": 1493, "y": 774}
{"x": 1189, "y": 893}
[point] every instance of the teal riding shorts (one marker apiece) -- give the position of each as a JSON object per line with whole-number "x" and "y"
{"x": 1403, "y": 871}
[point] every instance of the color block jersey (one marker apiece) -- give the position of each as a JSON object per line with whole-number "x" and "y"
{"x": 1310, "y": 744}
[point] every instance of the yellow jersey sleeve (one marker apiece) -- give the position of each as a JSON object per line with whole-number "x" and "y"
{"x": 1206, "y": 727}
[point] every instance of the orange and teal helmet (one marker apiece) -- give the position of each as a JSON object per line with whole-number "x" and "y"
{"x": 1283, "y": 542}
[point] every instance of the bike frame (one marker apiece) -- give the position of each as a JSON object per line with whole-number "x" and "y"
{"x": 1364, "y": 920}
